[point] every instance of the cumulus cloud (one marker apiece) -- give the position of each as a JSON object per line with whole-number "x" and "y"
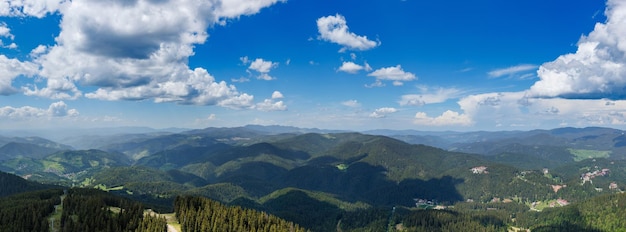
{"x": 236, "y": 8}
{"x": 127, "y": 50}
{"x": 59, "y": 109}
{"x": 6, "y": 33}
{"x": 429, "y": 96}
{"x": 277, "y": 95}
{"x": 383, "y": 112}
{"x": 447, "y": 118}
{"x": 351, "y": 103}
{"x": 31, "y": 8}
{"x": 271, "y": 105}
{"x": 56, "y": 109}
{"x": 41, "y": 49}
{"x": 11, "y": 68}
{"x": 263, "y": 67}
{"x": 513, "y": 70}
{"x": 395, "y": 74}
{"x": 351, "y": 67}
{"x": 596, "y": 70}
{"x": 516, "y": 109}
{"x": 334, "y": 28}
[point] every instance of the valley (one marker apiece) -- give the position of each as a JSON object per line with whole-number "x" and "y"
{"x": 346, "y": 181}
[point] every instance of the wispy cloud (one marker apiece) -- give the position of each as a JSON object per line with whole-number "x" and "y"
{"x": 429, "y": 96}
{"x": 509, "y": 71}
{"x": 351, "y": 103}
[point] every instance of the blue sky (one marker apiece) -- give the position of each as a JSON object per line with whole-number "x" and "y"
{"x": 357, "y": 65}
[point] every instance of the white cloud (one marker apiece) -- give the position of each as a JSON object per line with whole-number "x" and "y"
{"x": 244, "y": 60}
{"x": 265, "y": 77}
{"x": 6, "y": 33}
{"x": 263, "y": 67}
{"x": 33, "y": 8}
{"x": 277, "y": 95}
{"x": 211, "y": 117}
{"x": 351, "y": 67}
{"x": 429, "y": 96}
{"x": 270, "y": 105}
{"x": 127, "y": 50}
{"x": 59, "y": 88}
{"x": 597, "y": 69}
{"x": 41, "y": 49}
{"x": 10, "y": 69}
{"x": 56, "y": 109}
{"x": 516, "y": 109}
{"x": 335, "y": 29}
{"x": 447, "y": 118}
{"x": 59, "y": 109}
{"x": 509, "y": 71}
{"x": 4, "y": 30}
{"x": 395, "y": 74}
{"x": 236, "y": 8}
{"x": 377, "y": 83}
{"x": 351, "y": 103}
{"x": 383, "y": 112}
{"x": 240, "y": 80}
{"x": 242, "y": 101}
{"x": 200, "y": 88}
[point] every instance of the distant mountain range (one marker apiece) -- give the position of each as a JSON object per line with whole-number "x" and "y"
{"x": 266, "y": 167}
{"x": 375, "y": 169}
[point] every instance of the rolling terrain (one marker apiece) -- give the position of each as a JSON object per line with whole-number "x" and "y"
{"x": 336, "y": 174}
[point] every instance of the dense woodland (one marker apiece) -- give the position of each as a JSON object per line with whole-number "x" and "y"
{"x": 94, "y": 210}
{"x": 12, "y": 184}
{"x": 28, "y": 212}
{"x": 202, "y": 214}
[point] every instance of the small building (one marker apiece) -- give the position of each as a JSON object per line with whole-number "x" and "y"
{"x": 479, "y": 170}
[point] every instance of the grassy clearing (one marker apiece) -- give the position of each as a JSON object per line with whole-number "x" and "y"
{"x": 342, "y": 167}
{"x": 50, "y": 165}
{"x": 581, "y": 154}
{"x": 105, "y": 188}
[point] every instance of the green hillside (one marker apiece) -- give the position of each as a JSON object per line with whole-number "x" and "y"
{"x": 325, "y": 181}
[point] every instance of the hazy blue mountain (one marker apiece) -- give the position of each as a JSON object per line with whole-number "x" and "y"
{"x": 29, "y": 147}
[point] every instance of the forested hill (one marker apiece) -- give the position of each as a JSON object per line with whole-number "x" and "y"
{"x": 12, "y": 184}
